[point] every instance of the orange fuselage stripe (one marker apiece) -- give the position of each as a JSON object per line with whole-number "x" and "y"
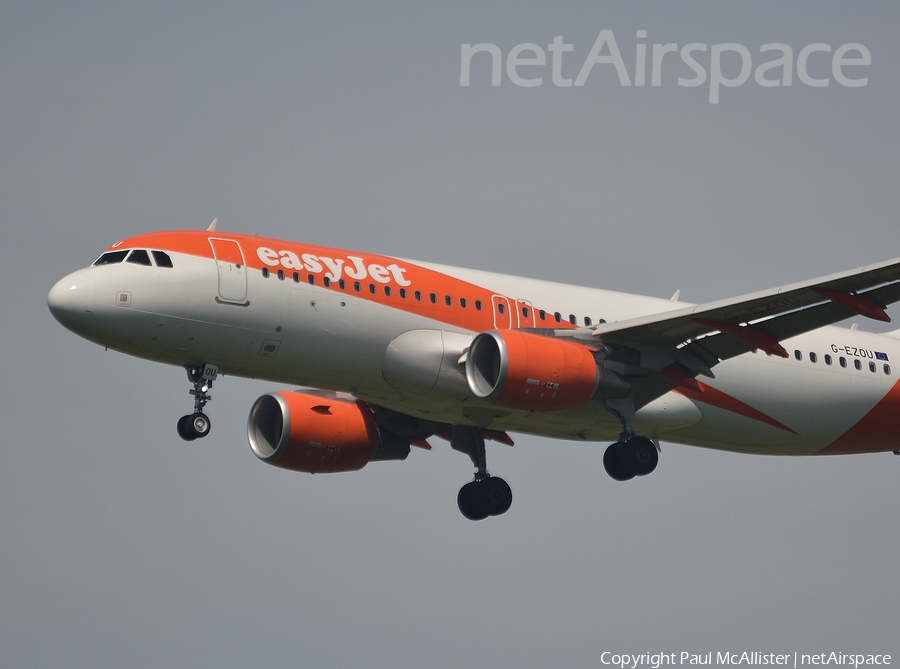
{"x": 877, "y": 431}
{"x": 426, "y": 291}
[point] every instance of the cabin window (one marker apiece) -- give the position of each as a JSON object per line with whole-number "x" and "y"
{"x": 111, "y": 258}
{"x": 265, "y": 272}
{"x": 857, "y": 364}
{"x": 843, "y": 361}
{"x": 311, "y": 279}
{"x": 887, "y": 369}
{"x": 542, "y": 315}
{"x": 477, "y": 305}
{"x": 798, "y": 355}
{"x": 587, "y": 320}
{"x": 448, "y": 300}
{"x": 524, "y": 312}
{"x": 501, "y": 308}
{"x": 296, "y": 277}
{"x": 572, "y": 319}
{"x": 403, "y": 293}
{"x": 812, "y": 357}
{"x": 342, "y": 284}
{"x": 326, "y": 282}
{"x": 162, "y": 259}
{"x": 281, "y": 275}
{"x": 357, "y": 286}
{"x": 387, "y": 291}
{"x": 557, "y": 317}
{"x": 139, "y": 257}
{"x": 372, "y": 288}
{"x": 463, "y": 303}
{"x": 418, "y": 296}
{"x": 872, "y": 367}
{"x": 433, "y": 298}
{"x": 827, "y": 359}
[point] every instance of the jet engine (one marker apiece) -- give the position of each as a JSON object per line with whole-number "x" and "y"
{"x": 309, "y": 433}
{"x": 520, "y": 370}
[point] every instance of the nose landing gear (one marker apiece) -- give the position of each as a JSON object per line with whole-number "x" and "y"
{"x": 197, "y": 425}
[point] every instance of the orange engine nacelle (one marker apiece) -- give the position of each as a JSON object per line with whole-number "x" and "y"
{"x": 309, "y": 433}
{"x": 520, "y": 370}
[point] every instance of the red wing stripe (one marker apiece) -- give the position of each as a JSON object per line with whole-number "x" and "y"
{"x": 748, "y": 335}
{"x": 716, "y": 398}
{"x": 498, "y": 436}
{"x": 682, "y": 377}
{"x": 856, "y": 303}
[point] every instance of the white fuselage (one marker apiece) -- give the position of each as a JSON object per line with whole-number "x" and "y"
{"x": 251, "y": 323}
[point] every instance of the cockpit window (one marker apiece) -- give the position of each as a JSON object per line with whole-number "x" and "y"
{"x": 162, "y": 259}
{"x": 111, "y": 258}
{"x": 139, "y": 257}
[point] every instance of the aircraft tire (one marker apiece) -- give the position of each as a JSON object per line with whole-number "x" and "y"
{"x": 617, "y": 464}
{"x": 198, "y": 424}
{"x": 182, "y": 427}
{"x": 497, "y": 494}
{"x": 643, "y": 454}
{"x": 472, "y": 502}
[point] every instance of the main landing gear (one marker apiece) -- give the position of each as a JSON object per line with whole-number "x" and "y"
{"x": 632, "y": 455}
{"x": 197, "y": 424}
{"x": 487, "y": 495}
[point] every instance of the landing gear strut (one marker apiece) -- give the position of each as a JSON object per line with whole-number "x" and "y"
{"x": 197, "y": 425}
{"x": 632, "y": 455}
{"x": 486, "y": 495}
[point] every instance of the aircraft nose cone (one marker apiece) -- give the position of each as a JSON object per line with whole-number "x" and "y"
{"x": 71, "y": 301}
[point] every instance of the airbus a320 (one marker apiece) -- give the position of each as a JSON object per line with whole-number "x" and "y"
{"x": 388, "y": 353}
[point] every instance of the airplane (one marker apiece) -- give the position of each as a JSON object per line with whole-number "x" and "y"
{"x": 388, "y": 352}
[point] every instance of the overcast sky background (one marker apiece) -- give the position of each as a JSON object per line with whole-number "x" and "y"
{"x": 345, "y": 125}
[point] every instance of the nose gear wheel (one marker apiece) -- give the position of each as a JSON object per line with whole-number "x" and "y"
{"x": 197, "y": 425}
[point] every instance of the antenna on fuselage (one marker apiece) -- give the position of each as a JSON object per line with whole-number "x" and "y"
{"x": 212, "y": 226}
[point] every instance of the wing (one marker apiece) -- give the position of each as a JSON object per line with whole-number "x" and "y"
{"x": 665, "y": 350}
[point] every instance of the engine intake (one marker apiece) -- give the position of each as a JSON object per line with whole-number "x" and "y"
{"x": 520, "y": 370}
{"x": 309, "y": 433}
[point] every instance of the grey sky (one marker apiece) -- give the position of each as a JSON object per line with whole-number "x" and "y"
{"x": 346, "y": 125}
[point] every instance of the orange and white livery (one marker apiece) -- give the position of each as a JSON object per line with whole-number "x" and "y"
{"x": 391, "y": 352}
